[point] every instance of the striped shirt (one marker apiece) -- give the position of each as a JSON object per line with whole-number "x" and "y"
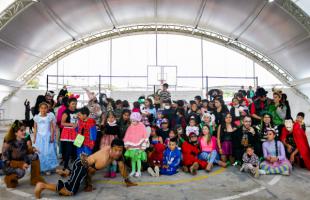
{"x": 164, "y": 95}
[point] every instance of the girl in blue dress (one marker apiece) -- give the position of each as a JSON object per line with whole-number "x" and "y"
{"x": 44, "y": 139}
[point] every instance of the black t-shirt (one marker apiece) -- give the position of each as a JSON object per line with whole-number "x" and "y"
{"x": 112, "y": 130}
{"x": 71, "y": 116}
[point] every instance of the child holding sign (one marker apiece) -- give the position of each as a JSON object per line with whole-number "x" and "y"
{"x": 87, "y": 133}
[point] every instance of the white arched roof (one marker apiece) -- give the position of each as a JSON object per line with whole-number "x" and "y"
{"x": 31, "y": 30}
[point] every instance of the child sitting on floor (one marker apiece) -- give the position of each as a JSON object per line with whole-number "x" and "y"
{"x": 190, "y": 152}
{"x": 250, "y": 162}
{"x": 172, "y": 159}
{"x": 155, "y": 159}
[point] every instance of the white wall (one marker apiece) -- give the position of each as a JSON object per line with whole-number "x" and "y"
{"x": 298, "y": 104}
{"x": 14, "y": 108}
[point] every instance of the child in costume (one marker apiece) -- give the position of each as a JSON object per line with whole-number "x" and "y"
{"x": 17, "y": 155}
{"x": 68, "y": 134}
{"x": 172, "y": 159}
{"x": 296, "y": 142}
{"x": 136, "y": 141}
{"x": 274, "y": 154}
{"x": 86, "y": 128}
{"x": 155, "y": 159}
{"x": 111, "y": 131}
{"x": 208, "y": 146}
{"x": 190, "y": 153}
{"x": 45, "y": 138}
{"x": 250, "y": 162}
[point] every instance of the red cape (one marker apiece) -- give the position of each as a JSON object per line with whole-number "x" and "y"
{"x": 301, "y": 141}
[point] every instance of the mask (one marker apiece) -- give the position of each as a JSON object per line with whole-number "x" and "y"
{"x": 288, "y": 125}
{"x": 167, "y": 107}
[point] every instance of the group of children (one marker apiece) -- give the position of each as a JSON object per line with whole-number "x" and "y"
{"x": 164, "y": 138}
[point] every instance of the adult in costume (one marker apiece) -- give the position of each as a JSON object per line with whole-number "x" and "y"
{"x": 17, "y": 155}
{"x": 296, "y": 143}
{"x": 86, "y": 166}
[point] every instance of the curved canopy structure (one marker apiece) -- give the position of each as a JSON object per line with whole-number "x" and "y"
{"x": 34, "y": 33}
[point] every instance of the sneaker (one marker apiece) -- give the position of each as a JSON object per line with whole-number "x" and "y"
{"x": 262, "y": 172}
{"x": 151, "y": 171}
{"x": 156, "y": 169}
{"x": 138, "y": 174}
{"x": 132, "y": 174}
{"x": 235, "y": 163}
{"x": 285, "y": 173}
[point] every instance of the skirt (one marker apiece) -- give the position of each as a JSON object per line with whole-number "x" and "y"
{"x": 135, "y": 154}
{"x": 68, "y": 134}
{"x": 227, "y": 147}
{"x": 268, "y": 165}
{"x": 106, "y": 140}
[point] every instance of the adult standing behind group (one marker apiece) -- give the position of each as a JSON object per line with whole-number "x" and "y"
{"x": 259, "y": 105}
{"x": 48, "y": 97}
{"x": 165, "y": 94}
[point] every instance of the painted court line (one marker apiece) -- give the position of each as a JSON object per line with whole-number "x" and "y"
{"x": 19, "y": 193}
{"x": 172, "y": 182}
{"x": 243, "y": 194}
{"x": 198, "y": 178}
{"x": 275, "y": 180}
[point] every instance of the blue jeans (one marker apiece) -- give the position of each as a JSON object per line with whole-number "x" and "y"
{"x": 210, "y": 157}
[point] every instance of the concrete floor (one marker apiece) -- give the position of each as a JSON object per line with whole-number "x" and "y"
{"x": 221, "y": 184}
